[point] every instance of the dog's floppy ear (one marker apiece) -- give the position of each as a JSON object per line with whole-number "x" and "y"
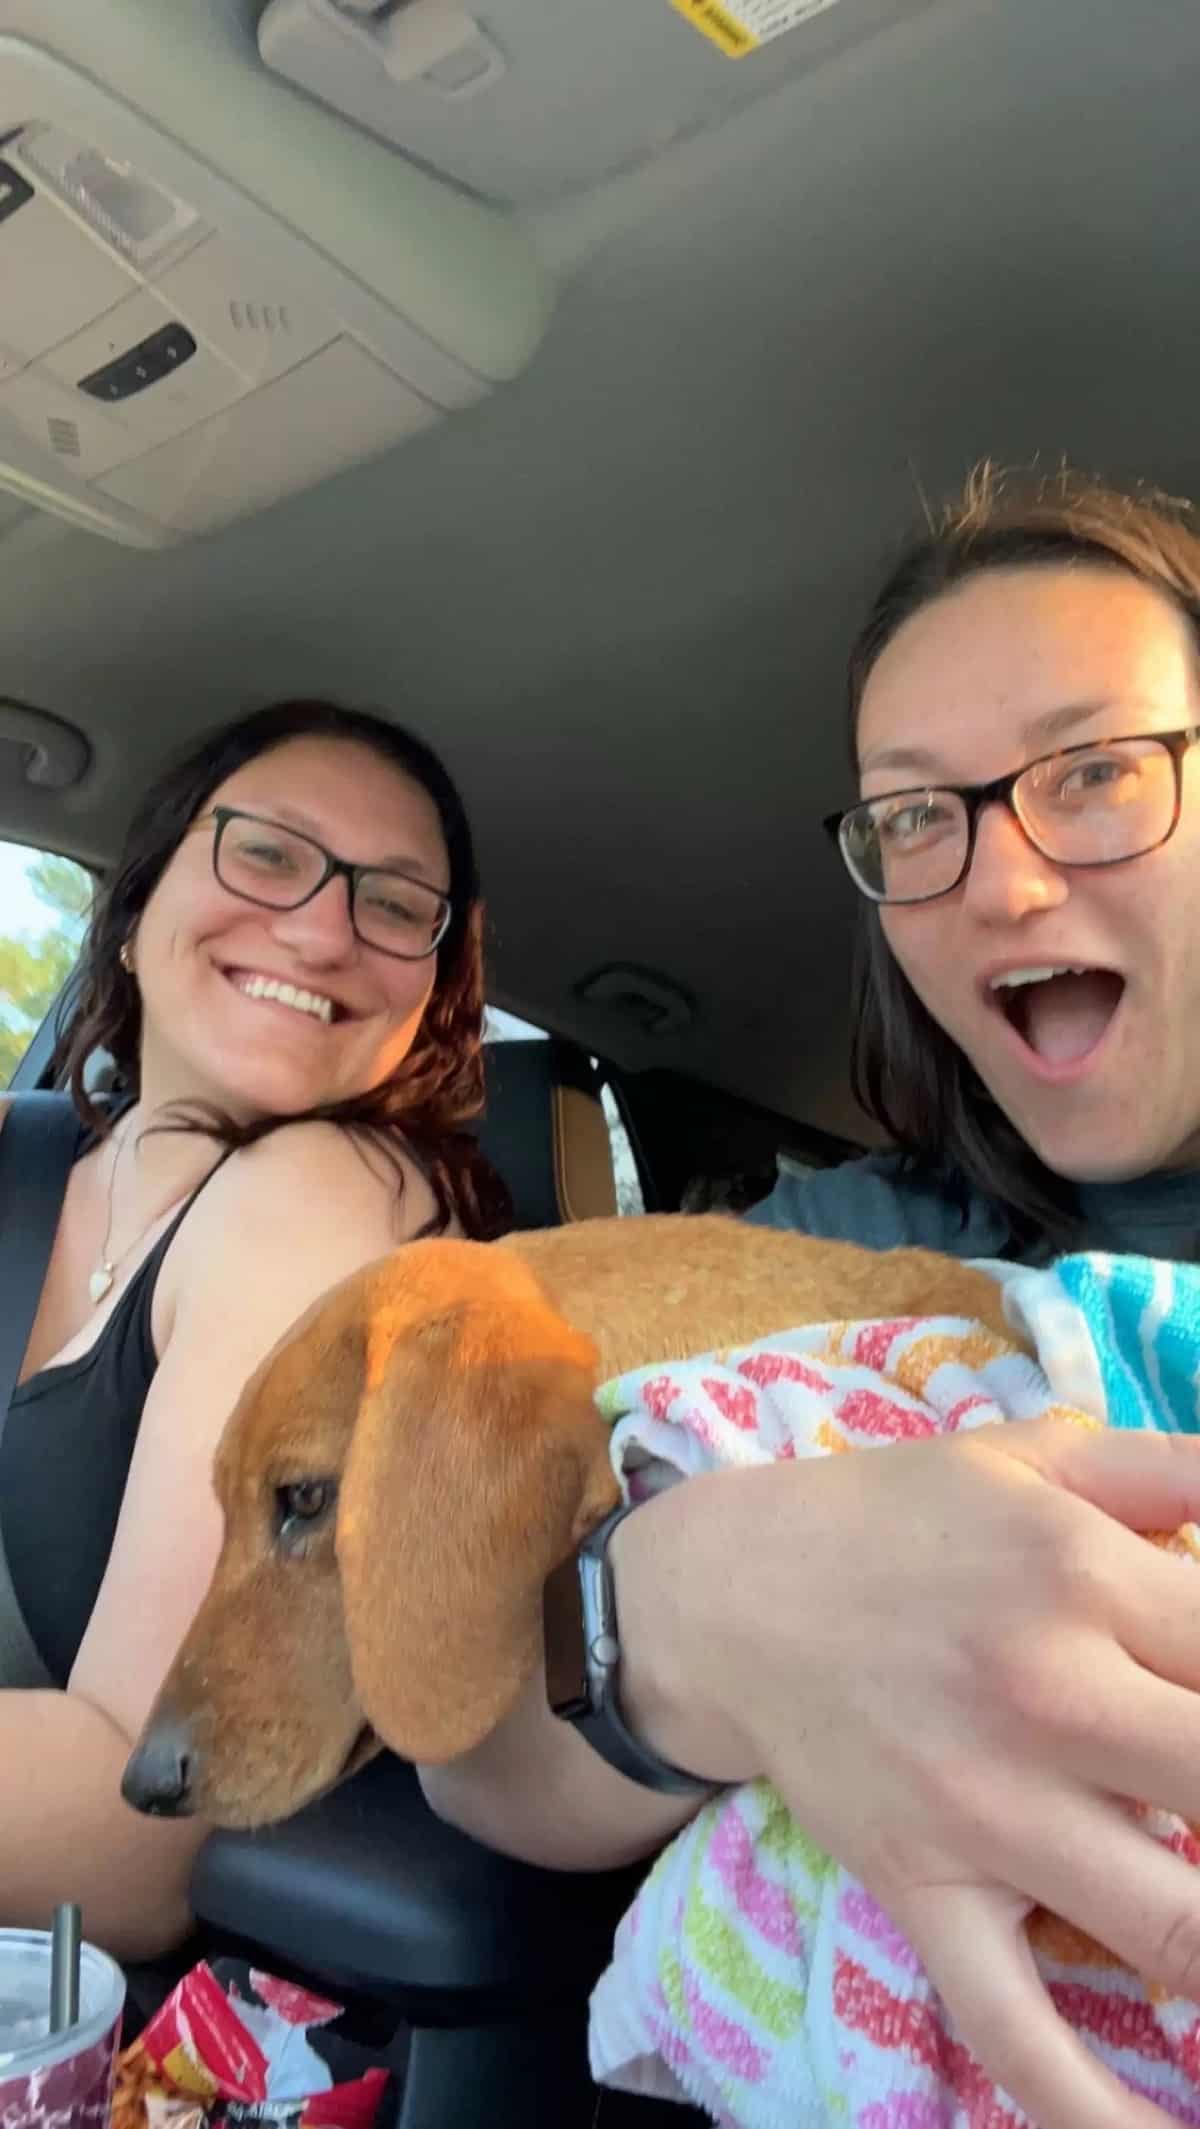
{"x": 476, "y": 1465}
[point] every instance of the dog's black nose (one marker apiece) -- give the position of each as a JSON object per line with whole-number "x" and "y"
{"x": 159, "y": 1778}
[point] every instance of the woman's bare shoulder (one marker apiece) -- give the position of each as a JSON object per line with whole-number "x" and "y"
{"x": 320, "y": 1171}
{"x": 282, "y": 1222}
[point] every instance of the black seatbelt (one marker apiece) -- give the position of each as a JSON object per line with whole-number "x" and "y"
{"x": 37, "y": 1147}
{"x": 38, "y": 1139}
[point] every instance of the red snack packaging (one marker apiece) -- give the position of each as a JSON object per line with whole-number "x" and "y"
{"x": 231, "y": 2048}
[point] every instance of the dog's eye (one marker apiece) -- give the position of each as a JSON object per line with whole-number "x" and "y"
{"x": 301, "y": 1505}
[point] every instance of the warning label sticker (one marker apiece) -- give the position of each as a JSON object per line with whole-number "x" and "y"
{"x": 737, "y": 27}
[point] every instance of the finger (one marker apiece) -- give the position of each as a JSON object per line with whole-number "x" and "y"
{"x": 973, "y": 1944}
{"x": 1117, "y": 1702}
{"x": 1124, "y": 1729}
{"x": 1156, "y": 1612}
{"x": 1099, "y": 1868}
{"x": 1146, "y": 1481}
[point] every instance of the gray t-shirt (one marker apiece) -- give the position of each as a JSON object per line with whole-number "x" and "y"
{"x": 880, "y": 1203}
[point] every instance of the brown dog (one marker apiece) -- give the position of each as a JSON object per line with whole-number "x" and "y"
{"x": 403, "y": 1473}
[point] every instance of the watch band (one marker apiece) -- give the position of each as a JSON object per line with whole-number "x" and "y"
{"x": 596, "y": 1714}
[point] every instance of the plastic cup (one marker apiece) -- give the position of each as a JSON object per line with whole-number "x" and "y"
{"x": 56, "y": 2080}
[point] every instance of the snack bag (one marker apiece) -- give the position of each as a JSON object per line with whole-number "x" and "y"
{"x": 231, "y": 2048}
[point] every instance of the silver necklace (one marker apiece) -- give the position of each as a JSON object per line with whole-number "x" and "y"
{"x": 106, "y": 1267}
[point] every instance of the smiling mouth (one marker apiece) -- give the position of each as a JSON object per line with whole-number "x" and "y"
{"x": 1061, "y": 1014}
{"x": 313, "y": 1005}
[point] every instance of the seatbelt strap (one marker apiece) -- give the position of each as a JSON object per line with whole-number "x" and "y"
{"x": 38, "y": 1140}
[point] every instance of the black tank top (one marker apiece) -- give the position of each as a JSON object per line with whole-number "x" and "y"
{"x": 65, "y": 1452}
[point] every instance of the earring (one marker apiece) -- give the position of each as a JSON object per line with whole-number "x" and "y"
{"x": 125, "y": 957}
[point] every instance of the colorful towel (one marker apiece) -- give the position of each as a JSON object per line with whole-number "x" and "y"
{"x": 753, "y": 1976}
{"x": 1117, "y": 1336}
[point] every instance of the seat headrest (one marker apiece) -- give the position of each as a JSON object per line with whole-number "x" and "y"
{"x": 545, "y": 1131}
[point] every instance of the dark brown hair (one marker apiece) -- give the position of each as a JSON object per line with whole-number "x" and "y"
{"x": 436, "y": 1089}
{"x": 905, "y": 1070}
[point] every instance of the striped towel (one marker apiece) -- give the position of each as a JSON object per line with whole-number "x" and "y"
{"x": 755, "y": 1977}
{"x": 1117, "y": 1336}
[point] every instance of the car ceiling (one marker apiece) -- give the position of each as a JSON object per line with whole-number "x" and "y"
{"x": 796, "y": 293}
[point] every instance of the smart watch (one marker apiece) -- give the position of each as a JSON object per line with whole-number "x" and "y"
{"x": 590, "y": 1700}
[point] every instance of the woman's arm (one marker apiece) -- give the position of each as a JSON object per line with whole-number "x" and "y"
{"x": 282, "y": 1222}
{"x": 68, "y": 1836}
{"x": 952, "y": 1659}
{"x": 534, "y": 1789}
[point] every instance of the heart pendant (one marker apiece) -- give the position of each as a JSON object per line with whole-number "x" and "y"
{"x": 100, "y": 1281}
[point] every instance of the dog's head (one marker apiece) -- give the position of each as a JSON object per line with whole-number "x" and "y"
{"x": 398, "y": 1480}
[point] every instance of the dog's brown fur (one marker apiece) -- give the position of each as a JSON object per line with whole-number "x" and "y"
{"x": 448, "y": 1390}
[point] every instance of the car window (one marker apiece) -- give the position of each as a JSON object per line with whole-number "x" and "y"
{"x": 44, "y": 904}
{"x": 505, "y": 1027}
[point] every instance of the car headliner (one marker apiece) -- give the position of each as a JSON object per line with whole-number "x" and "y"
{"x": 796, "y": 294}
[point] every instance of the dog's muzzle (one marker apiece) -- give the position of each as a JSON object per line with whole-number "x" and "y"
{"x": 160, "y": 1779}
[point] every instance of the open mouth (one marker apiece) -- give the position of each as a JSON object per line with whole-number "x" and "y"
{"x": 1060, "y": 1013}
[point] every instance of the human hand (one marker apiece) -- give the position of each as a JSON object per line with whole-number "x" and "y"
{"x": 953, "y": 1659}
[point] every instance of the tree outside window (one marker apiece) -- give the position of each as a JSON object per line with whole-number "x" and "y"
{"x": 44, "y": 906}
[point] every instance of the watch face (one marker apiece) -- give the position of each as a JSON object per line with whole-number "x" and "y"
{"x": 565, "y": 1641}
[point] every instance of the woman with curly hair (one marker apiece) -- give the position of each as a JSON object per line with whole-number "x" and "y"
{"x": 285, "y": 971}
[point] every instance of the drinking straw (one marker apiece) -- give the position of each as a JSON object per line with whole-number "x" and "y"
{"x": 64, "y": 1966}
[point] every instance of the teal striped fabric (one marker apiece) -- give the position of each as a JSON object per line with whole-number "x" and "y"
{"x": 1143, "y": 1317}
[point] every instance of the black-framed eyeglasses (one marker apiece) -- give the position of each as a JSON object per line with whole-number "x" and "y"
{"x": 277, "y": 867}
{"x": 1099, "y": 803}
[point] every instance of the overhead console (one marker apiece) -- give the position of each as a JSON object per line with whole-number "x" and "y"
{"x": 188, "y": 335}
